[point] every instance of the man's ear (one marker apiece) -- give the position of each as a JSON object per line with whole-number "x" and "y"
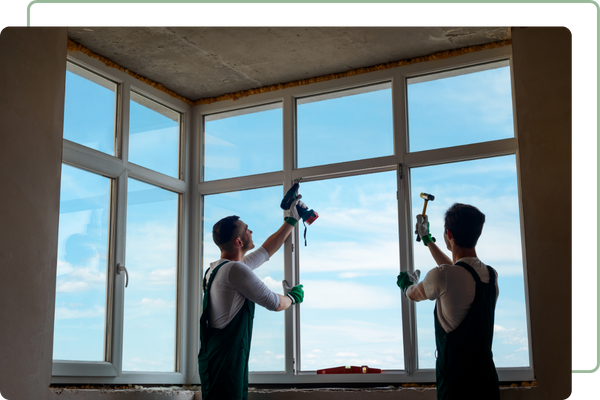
{"x": 449, "y": 234}
{"x": 238, "y": 242}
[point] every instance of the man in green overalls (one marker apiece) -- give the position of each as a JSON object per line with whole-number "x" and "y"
{"x": 465, "y": 291}
{"x": 231, "y": 290}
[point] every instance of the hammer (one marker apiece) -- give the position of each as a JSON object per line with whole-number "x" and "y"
{"x": 426, "y": 197}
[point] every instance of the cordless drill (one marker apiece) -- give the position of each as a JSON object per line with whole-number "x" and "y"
{"x": 308, "y": 216}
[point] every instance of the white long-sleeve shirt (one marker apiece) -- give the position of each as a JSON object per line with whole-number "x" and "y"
{"x": 234, "y": 283}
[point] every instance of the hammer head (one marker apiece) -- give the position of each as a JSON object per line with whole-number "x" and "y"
{"x": 428, "y": 197}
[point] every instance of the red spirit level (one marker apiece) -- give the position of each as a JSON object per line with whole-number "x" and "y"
{"x": 349, "y": 370}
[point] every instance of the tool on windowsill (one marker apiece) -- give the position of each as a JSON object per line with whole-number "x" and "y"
{"x": 427, "y": 197}
{"x": 349, "y": 370}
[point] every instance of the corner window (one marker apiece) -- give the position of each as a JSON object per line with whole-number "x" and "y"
{"x": 344, "y": 126}
{"x": 135, "y": 234}
{"x": 82, "y": 266}
{"x": 243, "y": 142}
{"x": 459, "y": 107}
{"x": 118, "y": 289}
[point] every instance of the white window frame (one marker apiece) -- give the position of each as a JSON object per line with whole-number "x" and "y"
{"x": 118, "y": 169}
{"x": 191, "y": 207}
{"x": 401, "y": 161}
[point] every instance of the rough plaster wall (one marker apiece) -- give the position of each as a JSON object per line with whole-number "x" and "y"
{"x": 542, "y": 71}
{"x": 32, "y": 86}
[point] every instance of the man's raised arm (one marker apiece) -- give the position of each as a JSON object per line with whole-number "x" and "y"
{"x": 276, "y": 240}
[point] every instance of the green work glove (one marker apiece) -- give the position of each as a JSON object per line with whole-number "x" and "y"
{"x": 293, "y": 216}
{"x": 296, "y": 293}
{"x": 407, "y": 279}
{"x": 423, "y": 229}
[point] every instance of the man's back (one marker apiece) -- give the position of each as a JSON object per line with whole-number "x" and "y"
{"x": 454, "y": 289}
{"x": 234, "y": 283}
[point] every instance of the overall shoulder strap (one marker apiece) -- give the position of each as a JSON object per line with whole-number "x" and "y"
{"x": 492, "y": 272}
{"x": 470, "y": 269}
{"x": 205, "y": 285}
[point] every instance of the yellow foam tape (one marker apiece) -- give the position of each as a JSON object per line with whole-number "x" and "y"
{"x": 72, "y": 46}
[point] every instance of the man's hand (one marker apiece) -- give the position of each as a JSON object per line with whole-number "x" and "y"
{"x": 293, "y": 216}
{"x": 423, "y": 229}
{"x": 407, "y": 279}
{"x": 296, "y": 293}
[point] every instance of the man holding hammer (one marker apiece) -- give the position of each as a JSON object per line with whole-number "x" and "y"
{"x": 465, "y": 291}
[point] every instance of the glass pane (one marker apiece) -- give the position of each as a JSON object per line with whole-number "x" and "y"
{"x": 243, "y": 142}
{"x": 351, "y": 313}
{"x": 259, "y": 208}
{"x": 153, "y": 136}
{"x": 345, "y": 126}
{"x": 151, "y": 260}
{"x": 491, "y": 186}
{"x": 89, "y": 109}
{"x": 79, "y": 320}
{"x": 460, "y": 107}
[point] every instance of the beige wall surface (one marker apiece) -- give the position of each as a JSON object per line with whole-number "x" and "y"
{"x": 32, "y": 75}
{"x": 32, "y": 87}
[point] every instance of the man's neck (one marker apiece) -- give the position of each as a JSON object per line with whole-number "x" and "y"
{"x": 461, "y": 252}
{"x": 233, "y": 256}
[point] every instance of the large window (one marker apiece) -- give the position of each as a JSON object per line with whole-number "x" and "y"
{"x": 140, "y": 194}
{"x": 362, "y": 155}
{"x": 351, "y": 315}
{"x": 119, "y": 294}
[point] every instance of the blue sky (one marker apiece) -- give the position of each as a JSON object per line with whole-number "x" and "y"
{"x": 351, "y": 314}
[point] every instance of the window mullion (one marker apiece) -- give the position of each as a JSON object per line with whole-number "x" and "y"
{"x": 290, "y": 273}
{"x": 118, "y": 282}
{"x": 404, "y": 224}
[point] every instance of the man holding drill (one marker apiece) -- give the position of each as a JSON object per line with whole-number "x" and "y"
{"x": 231, "y": 290}
{"x": 465, "y": 291}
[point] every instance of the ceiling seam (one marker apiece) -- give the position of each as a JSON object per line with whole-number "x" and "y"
{"x": 72, "y": 46}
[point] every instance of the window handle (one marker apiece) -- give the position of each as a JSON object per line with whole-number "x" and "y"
{"x": 122, "y": 268}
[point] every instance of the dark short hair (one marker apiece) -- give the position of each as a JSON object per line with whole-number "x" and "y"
{"x": 225, "y": 230}
{"x": 465, "y": 222}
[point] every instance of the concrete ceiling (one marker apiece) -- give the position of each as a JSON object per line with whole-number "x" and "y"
{"x": 199, "y": 63}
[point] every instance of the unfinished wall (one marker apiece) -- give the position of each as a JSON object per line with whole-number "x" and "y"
{"x": 542, "y": 74}
{"x": 32, "y": 73}
{"x": 32, "y": 87}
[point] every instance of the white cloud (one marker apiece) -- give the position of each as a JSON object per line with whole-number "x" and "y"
{"x": 89, "y": 275}
{"x": 350, "y": 257}
{"x": 69, "y": 313}
{"x": 348, "y": 295}
{"x": 63, "y": 268}
{"x": 156, "y": 303}
{"x": 350, "y": 275}
{"x": 80, "y": 280}
{"x": 70, "y": 287}
{"x": 346, "y": 354}
{"x": 163, "y": 276}
{"x": 341, "y": 332}
{"x": 151, "y": 246}
{"x": 272, "y": 284}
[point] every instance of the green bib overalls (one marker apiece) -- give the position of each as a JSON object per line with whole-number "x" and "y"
{"x": 464, "y": 367}
{"x": 224, "y": 353}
